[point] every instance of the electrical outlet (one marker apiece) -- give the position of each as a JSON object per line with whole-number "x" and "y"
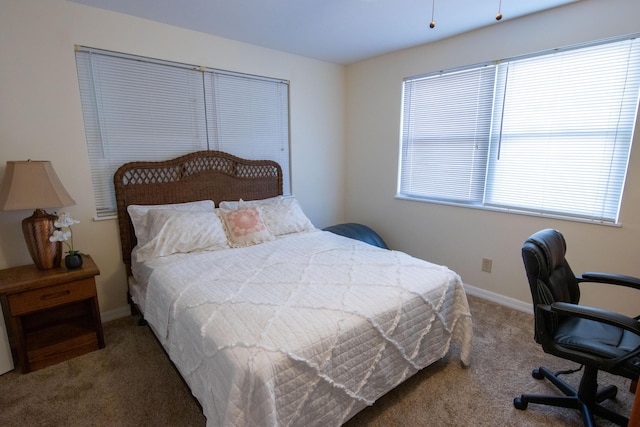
{"x": 486, "y": 264}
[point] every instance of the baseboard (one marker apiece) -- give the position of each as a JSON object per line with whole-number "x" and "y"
{"x": 115, "y": 314}
{"x": 499, "y": 299}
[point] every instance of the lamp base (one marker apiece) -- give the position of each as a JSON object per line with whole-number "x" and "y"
{"x": 37, "y": 229}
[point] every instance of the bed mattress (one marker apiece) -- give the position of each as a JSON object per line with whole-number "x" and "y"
{"x": 305, "y": 330}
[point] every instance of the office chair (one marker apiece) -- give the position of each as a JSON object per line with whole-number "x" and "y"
{"x": 599, "y": 340}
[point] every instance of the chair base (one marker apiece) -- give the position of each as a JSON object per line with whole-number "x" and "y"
{"x": 587, "y": 399}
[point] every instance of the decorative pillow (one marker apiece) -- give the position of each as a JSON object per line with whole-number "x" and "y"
{"x": 181, "y": 232}
{"x": 282, "y": 215}
{"x": 245, "y": 227}
{"x": 137, "y": 215}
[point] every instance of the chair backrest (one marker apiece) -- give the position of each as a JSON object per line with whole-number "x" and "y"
{"x": 550, "y": 276}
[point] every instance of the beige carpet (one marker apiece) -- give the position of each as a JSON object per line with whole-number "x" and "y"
{"x": 132, "y": 383}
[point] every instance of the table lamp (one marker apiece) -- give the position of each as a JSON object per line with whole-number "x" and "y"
{"x": 35, "y": 185}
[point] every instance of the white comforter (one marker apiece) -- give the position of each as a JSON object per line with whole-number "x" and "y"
{"x": 305, "y": 330}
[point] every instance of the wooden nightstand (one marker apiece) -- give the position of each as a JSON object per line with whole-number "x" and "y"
{"x": 51, "y": 315}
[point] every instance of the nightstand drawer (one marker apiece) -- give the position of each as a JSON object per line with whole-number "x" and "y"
{"x": 38, "y": 299}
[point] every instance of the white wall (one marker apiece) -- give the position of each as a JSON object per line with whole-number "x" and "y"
{"x": 461, "y": 237}
{"x": 41, "y": 117}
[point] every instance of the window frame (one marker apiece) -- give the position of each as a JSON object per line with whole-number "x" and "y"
{"x": 242, "y": 114}
{"x": 403, "y": 194}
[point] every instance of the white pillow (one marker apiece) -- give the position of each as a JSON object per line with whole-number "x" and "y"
{"x": 173, "y": 232}
{"x": 137, "y": 215}
{"x": 245, "y": 226}
{"x": 282, "y": 215}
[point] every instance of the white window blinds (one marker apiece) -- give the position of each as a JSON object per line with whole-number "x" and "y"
{"x": 249, "y": 117}
{"x": 143, "y": 109}
{"x": 557, "y": 142}
{"x": 445, "y": 135}
{"x": 567, "y": 123}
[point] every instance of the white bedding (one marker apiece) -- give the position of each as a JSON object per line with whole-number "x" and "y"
{"x": 304, "y": 330}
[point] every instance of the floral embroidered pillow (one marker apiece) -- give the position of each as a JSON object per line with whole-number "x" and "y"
{"x": 245, "y": 227}
{"x": 281, "y": 215}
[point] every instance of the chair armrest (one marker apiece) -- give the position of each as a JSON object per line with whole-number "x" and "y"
{"x": 609, "y": 278}
{"x": 598, "y": 315}
{"x": 601, "y": 316}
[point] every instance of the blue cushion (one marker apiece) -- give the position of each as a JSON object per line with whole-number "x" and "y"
{"x": 359, "y": 232}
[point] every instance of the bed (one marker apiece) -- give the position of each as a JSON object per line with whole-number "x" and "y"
{"x": 269, "y": 320}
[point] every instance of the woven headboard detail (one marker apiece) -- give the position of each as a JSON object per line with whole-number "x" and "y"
{"x": 202, "y": 175}
{"x": 140, "y": 175}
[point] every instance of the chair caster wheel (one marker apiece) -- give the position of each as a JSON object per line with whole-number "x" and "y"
{"x": 519, "y": 404}
{"x": 537, "y": 374}
{"x": 605, "y": 393}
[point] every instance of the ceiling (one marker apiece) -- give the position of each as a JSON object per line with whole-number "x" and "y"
{"x": 338, "y": 31}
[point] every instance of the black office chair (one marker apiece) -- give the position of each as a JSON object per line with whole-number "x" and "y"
{"x": 597, "y": 339}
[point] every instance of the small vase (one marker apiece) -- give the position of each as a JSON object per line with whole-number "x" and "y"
{"x": 73, "y": 261}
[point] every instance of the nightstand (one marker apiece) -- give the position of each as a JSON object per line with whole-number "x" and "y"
{"x": 51, "y": 315}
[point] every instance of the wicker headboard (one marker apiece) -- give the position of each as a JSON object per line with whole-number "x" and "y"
{"x": 201, "y": 175}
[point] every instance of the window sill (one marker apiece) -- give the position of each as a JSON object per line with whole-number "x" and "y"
{"x": 105, "y": 218}
{"x": 511, "y": 211}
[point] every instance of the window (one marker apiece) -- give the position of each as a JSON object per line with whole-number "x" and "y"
{"x": 139, "y": 109}
{"x": 548, "y": 134}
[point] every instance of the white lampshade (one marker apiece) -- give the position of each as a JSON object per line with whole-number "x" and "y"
{"x": 32, "y": 184}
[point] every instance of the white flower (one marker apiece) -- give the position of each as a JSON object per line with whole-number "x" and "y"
{"x": 64, "y": 220}
{"x": 60, "y": 236}
{"x": 63, "y": 233}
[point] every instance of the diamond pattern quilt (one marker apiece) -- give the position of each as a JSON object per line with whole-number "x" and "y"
{"x": 306, "y": 330}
